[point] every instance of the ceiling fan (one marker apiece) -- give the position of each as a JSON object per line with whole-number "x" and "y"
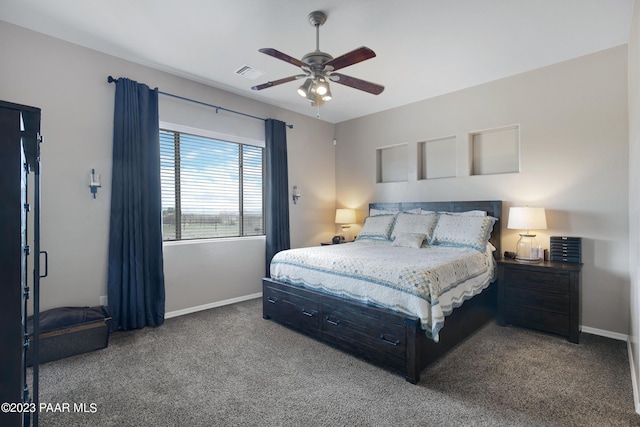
{"x": 319, "y": 68}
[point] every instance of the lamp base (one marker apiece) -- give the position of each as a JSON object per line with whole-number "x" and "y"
{"x": 527, "y": 249}
{"x": 345, "y": 232}
{"x": 528, "y": 261}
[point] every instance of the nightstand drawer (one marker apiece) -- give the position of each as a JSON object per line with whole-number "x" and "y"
{"x": 528, "y": 298}
{"x": 535, "y": 319}
{"x": 538, "y": 281}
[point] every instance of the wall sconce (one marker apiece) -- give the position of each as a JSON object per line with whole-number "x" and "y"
{"x": 94, "y": 182}
{"x": 296, "y": 194}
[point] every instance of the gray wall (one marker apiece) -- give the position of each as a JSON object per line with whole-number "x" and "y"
{"x": 69, "y": 84}
{"x": 573, "y": 162}
{"x": 634, "y": 196}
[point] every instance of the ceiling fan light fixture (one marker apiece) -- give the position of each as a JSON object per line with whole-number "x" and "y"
{"x": 306, "y": 88}
{"x": 322, "y": 87}
{"x": 327, "y": 96}
{"x": 311, "y": 96}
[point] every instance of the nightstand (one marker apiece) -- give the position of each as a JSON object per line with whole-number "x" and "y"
{"x": 544, "y": 296}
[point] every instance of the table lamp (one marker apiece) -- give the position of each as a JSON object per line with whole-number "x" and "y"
{"x": 345, "y": 217}
{"x": 526, "y": 218}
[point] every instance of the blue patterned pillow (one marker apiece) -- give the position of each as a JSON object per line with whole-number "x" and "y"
{"x": 461, "y": 230}
{"x": 410, "y": 223}
{"x": 377, "y": 227}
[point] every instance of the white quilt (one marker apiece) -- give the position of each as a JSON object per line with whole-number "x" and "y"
{"x": 424, "y": 282}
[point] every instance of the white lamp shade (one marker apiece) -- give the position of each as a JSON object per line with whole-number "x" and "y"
{"x": 345, "y": 216}
{"x": 526, "y": 218}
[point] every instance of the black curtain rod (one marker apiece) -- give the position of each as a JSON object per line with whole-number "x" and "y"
{"x": 110, "y": 79}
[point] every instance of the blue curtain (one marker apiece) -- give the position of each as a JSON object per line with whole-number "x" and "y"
{"x": 135, "y": 271}
{"x": 276, "y": 190}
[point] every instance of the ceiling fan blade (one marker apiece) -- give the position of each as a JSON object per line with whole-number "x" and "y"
{"x": 282, "y": 56}
{"x": 355, "y": 83}
{"x": 358, "y": 55}
{"x": 278, "y": 82}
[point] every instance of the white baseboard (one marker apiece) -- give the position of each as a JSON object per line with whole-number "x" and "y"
{"x": 603, "y": 333}
{"x": 621, "y": 337}
{"x": 197, "y": 308}
{"x": 634, "y": 383}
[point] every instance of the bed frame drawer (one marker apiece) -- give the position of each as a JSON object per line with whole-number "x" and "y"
{"x": 354, "y": 326}
{"x": 295, "y": 310}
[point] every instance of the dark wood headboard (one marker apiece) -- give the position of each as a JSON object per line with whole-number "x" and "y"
{"x": 491, "y": 207}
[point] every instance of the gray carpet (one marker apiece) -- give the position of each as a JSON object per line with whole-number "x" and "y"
{"x": 228, "y": 367}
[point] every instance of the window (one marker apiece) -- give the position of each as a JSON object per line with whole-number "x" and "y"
{"x": 210, "y": 188}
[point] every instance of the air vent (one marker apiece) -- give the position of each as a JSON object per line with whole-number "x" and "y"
{"x": 249, "y": 72}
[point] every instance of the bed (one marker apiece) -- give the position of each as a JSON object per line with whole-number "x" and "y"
{"x": 399, "y": 317}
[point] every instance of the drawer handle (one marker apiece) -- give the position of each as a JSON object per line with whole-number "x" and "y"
{"x": 333, "y": 322}
{"x": 272, "y": 300}
{"x": 383, "y": 338}
{"x": 309, "y": 313}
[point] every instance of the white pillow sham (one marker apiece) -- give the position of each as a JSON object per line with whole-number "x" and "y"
{"x": 377, "y": 227}
{"x": 463, "y": 230}
{"x": 411, "y": 223}
{"x": 378, "y": 212}
{"x": 466, "y": 213}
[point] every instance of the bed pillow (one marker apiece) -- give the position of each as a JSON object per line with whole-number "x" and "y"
{"x": 410, "y": 223}
{"x": 378, "y": 212}
{"x": 377, "y": 227}
{"x": 409, "y": 240}
{"x": 467, "y": 213}
{"x": 463, "y": 230}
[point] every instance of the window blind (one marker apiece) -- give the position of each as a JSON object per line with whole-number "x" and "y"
{"x": 210, "y": 188}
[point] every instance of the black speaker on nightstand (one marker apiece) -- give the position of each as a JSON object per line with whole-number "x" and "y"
{"x": 566, "y": 249}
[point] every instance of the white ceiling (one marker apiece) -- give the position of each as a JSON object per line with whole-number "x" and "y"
{"x": 424, "y": 48}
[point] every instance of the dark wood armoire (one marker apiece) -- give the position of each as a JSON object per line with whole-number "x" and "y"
{"x": 19, "y": 245}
